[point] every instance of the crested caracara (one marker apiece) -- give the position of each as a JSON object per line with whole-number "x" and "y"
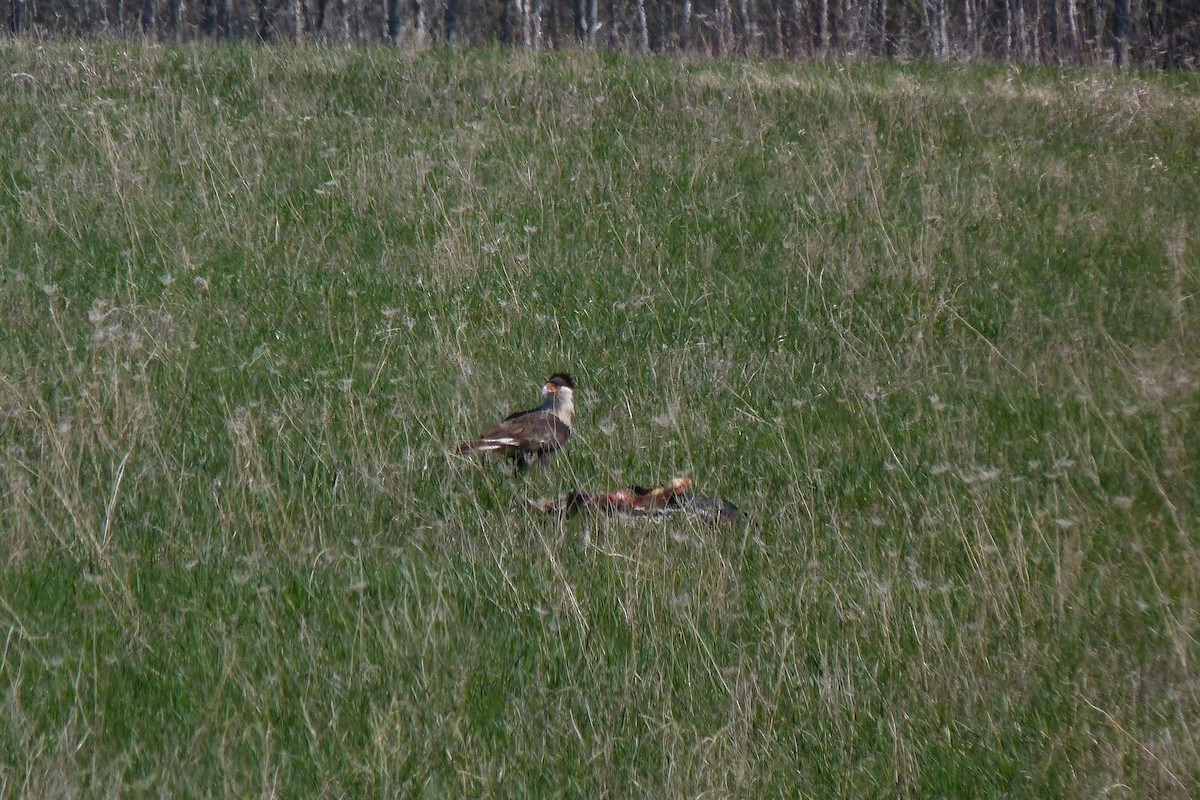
{"x": 536, "y": 433}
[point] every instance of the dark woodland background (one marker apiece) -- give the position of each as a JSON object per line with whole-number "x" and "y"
{"x": 1148, "y": 33}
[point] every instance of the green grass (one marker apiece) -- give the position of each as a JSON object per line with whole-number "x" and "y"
{"x": 933, "y": 330}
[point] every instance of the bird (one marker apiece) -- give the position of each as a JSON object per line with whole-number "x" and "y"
{"x": 531, "y": 434}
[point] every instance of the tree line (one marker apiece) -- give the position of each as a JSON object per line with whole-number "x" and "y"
{"x": 1154, "y": 33}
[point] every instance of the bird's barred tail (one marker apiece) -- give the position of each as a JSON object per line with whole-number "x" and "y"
{"x": 481, "y": 446}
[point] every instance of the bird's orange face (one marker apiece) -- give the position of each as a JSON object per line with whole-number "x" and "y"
{"x": 559, "y": 383}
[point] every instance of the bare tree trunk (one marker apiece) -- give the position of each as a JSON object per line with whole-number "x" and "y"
{"x": 1121, "y": 33}
{"x": 882, "y": 42}
{"x": 451, "y": 21}
{"x": 971, "y": 31}
{"x": 794, "y": 26}
{"x": 344, "y": 11}
{"x": 175, "y": 10}
{"x": 823, "y": 24}
{"x": 943, "y": 39}
{"x": 536, "y": 24}
{"x": 848, "y": 26}
{"x": 216, "y": 19}
{"x": 265, "y": 34}
{"x": 1022, "y": 32}
{"x": 685, "y": 33}
{"x": 147, "y": 17}
{"x": 297, "y": 20}
{"x": 749, "y": 29}
{"x": 935, "y": 22}
{"x": 391, "y": 21}
{"x": 643, "y": 31}
{"x": 1035, "y": 31}
{"x": 780, "y": 49}
{"x": 418, "y": 8}
{"x": 1055, "y": 22}
{"x": 318, "y": 26}
{"x": 16, "y": 17}
{"x": 927, "y": 19}
{"x": 527, "y": 23}
{"x": 724, "y": 20}
{"x": 1073, "y": 31}
{"x": 1009, "y": 22}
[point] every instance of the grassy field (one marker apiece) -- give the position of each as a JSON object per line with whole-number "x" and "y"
{"x": 934, "y": 330}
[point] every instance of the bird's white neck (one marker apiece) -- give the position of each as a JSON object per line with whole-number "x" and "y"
{"x": 561, "y": 404}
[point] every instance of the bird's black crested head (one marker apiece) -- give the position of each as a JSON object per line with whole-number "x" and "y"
{"x": 562, "y": 379}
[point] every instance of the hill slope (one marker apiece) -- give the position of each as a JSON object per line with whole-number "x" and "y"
{"x": 934, "y": 331}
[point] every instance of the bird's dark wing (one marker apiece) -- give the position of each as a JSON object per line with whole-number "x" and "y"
{"x": 516, "y": 414}
{"x": 534, "y": 432}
